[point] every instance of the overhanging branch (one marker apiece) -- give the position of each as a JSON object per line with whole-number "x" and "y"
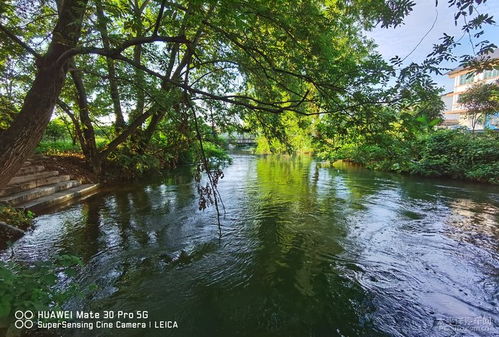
{"x": 20, "y": 42}
{"x": 116, "y": 51}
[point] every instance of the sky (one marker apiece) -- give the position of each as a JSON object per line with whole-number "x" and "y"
{"x": 403, "y": 39}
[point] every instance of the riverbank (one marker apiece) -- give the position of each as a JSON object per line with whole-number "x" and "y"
{"x": 444, "y": 153}
{"x": 73, "y": 164}
{"x": 44, "y": 181}
{"x": 13, "y": 224}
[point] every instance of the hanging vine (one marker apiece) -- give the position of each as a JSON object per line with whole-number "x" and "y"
{"x": 208, "y": 193}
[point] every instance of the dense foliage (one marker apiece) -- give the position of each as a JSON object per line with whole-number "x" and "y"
{"x": 156, "y": 69}
{"x": 444, "y": 153}
{"x": 33, "y": 287}
{"x": 136, "y": 82}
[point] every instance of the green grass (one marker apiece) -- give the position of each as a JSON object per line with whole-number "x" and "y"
{"x": 53, "y": 147}
{"x": 60, "y": 146}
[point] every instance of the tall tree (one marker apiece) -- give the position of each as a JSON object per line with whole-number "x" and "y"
{"x": 19, "y": 140}
{"x": 111, "y": 68}
{"x": 25, "y": 132}
{"x": 481, "y": 101}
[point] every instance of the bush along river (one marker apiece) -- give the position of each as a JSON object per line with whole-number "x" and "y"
{"x": 306, "y": 251}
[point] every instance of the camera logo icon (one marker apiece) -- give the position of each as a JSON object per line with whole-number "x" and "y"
{"x": 24, "y": 319}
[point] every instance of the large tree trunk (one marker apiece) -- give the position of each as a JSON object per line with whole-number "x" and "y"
{"x": 18, "y": 142}
{"x": 90, "y": 148}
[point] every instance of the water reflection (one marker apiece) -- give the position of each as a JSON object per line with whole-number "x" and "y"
{"x": 306, "y": 251}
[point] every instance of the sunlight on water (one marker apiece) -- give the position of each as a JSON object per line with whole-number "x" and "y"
{"x": 306, "y": 251}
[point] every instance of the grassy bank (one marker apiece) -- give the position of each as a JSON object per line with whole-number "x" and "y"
{"x": 444, "y": 153}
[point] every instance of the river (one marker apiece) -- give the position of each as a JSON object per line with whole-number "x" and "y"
{"x": 305, "y": 250}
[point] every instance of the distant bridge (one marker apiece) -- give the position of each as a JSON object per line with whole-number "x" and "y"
{"x": 242, "y": 139}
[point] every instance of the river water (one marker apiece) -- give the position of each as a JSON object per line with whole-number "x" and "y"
{"x": 305, "y": 251}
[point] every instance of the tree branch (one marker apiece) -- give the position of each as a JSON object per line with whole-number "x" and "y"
{"x": 20, "y": 42}
{"x": 115, "y": 51}
{"x": 158, "y": 20}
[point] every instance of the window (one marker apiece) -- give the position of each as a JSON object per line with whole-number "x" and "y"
{"x": 465, "y": 79}
{"x": 491, "y": 73}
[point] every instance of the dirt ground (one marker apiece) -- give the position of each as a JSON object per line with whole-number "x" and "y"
{"x": 72, "y": 164}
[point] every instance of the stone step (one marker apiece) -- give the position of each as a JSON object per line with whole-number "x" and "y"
{"x": 17, "y": 188}
{"x": 58, "y": 198}
{"x": 23, "y": 197}
{"x": 30, "y": 169}
{"x": 33, "y": 176}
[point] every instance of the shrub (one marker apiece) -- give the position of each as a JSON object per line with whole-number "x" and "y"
{"x": 128, "y": 164}
{"x": 15, "y": 217}
{"x": 389, "y": 155}
{"x": 459, "y": 154}
{"x": 443, "y": 153}
{"x": 35, "y": 287}
{"x": 56, "y": 130}
{"x": 484, "y": 172}
{"x": 215, "y": 154}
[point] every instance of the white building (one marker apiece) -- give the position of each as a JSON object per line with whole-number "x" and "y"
{"x": 454, "y": 114}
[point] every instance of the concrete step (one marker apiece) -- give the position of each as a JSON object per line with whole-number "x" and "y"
{"x": 58, "y": 198}
{"x": 23, "y": 197}
{"x": 17, "y": 188}
{"x": 33, "y": 176}
{"x": 30, "y": 169}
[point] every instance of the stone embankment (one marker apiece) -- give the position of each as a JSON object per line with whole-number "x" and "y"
{"x": 36, "y": 189}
